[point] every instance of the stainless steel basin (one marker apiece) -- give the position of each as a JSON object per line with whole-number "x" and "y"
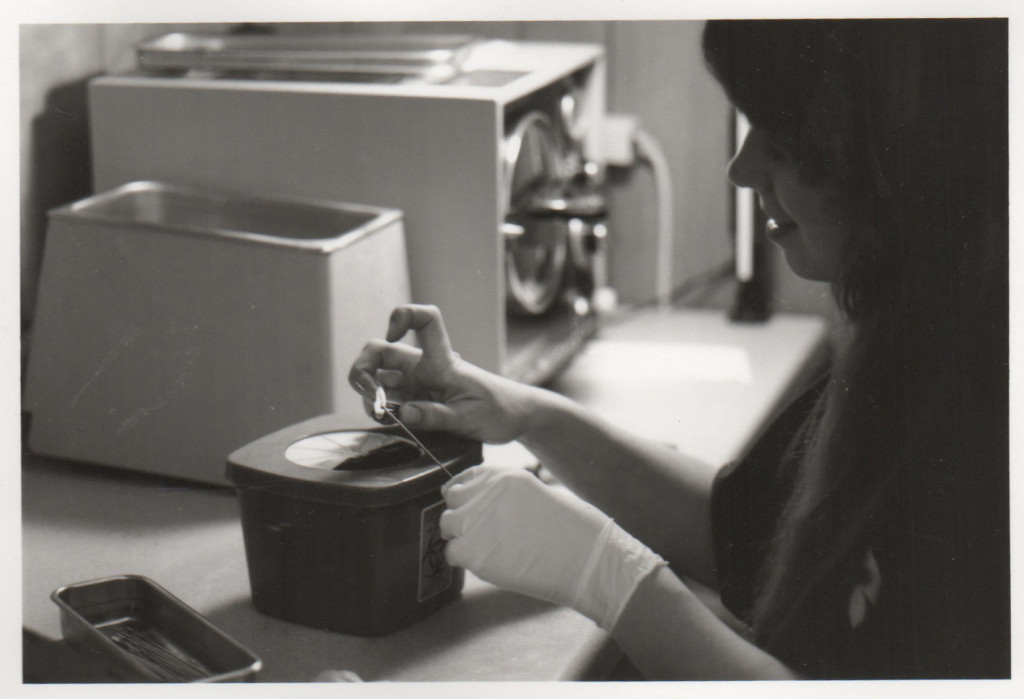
{"x": 185, "y": 209}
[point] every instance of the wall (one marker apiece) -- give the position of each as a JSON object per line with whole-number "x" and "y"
{"x": 56, "y": 61}
{"x": 655, "y": 72}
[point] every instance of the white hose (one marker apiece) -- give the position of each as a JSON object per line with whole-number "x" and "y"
{"x": 745, "y": 203}
{"x": 648, "y": 149}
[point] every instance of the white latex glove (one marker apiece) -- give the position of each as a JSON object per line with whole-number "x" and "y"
{"x": 512, "y": 530}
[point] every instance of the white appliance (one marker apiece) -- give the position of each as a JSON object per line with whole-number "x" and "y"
{"x": 490, "y": 148}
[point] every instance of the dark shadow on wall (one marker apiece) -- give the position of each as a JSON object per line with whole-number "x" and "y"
{"x": 60, "y": 172}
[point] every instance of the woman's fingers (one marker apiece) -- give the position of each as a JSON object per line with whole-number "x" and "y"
{"x": 458, "y": 493}
{"x": 450, "y": 525}
{"x": 384, "y": 364}
{"x": 363, "y": 382}
{"x": 390, "y": 378}
{"x": 379, "y": 358}
{"x": 459, "y": 484}
{"x": 428, "y": 325}
{"x": 427, "y": 415}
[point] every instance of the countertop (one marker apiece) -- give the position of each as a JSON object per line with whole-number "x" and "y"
{"x": 690, "y": 378}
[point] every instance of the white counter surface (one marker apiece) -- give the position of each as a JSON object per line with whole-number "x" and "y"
{"x": 82, "y": 523}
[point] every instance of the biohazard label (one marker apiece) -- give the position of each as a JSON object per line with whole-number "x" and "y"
{"x": 435, "y": 573}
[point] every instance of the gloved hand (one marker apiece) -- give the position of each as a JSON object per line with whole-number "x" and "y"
{"x": 436, "y": 388}
{"x": 512, "y": 530}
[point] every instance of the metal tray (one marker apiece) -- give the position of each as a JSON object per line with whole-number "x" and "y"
{"x": 425, "y": 57}
{"x": 134, "y": 623}
{"x": 313, "y": 224}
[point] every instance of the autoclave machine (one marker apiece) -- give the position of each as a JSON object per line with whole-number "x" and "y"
{"x": 491, "y": 149}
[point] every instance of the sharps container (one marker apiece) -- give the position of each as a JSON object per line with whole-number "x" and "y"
{"x": 175, "y": 324}
{"x": 341, "y": 526}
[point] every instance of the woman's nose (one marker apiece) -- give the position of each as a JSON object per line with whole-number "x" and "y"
{"x": 747, "y": 167}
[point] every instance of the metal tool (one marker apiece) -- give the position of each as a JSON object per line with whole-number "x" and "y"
{"x": 383, "y": 409}
{"x": 418, "y": 442}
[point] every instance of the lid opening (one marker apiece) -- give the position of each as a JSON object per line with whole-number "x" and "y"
{"x": 387, "y": 456}
{"x": 353, "y": 451}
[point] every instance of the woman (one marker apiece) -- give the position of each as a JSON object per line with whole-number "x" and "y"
{"x": 865, "y": 535}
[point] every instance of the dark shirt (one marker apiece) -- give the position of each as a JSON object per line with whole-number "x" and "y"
{"x": 923, "y": 592}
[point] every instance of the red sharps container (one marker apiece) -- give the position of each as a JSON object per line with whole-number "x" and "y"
{"x": 341, "y": 525}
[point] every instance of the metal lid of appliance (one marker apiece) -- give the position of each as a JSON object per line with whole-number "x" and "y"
{"x": 271, "y": 464}
{"x": 433, "y": 58}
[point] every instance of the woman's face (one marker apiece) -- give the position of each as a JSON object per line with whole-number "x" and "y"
{"x": 811, "y": 223}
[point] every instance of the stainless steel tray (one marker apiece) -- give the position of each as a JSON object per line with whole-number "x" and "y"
{"x": 314, "y": 224}
{"x": 428, "y": 57}
{"x": 133, "y": 623}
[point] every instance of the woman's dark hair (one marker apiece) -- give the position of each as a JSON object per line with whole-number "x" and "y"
{"x": 908, "y": 118}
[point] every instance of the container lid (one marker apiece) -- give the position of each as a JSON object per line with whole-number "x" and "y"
{"x": 323, "y": 460}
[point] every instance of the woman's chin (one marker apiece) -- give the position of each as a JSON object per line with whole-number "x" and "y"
{"x": 804, "y": 268}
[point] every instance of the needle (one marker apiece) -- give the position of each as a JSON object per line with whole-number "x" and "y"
{"x": 394, "y": 417}
{"x": 381, "y": 407}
